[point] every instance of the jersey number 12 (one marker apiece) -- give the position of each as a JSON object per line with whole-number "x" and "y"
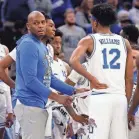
{"x": 113, "y": 64}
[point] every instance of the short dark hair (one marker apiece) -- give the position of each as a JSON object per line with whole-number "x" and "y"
{"x": 58, "y": 33}
{"x": 132, "y": 32}
{"x": 45, "y": 15}
{"x": 104, "y": 14}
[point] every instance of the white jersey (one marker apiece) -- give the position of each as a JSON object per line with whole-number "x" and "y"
{"x": 12, "y": 54}
{"x": 59, "y": 113}
{"x": 78, "y": 79}
{"x": 59, "y": 69}
{"x": 61, "y": 119}
{"x": 108, "y": 62}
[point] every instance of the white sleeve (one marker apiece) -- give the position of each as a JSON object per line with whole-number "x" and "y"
{"x": 8, "y": 99}
{"x": 74, "y": 76}
{"x": 12, "y": 54}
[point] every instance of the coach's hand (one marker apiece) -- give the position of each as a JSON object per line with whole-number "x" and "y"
{"x": 94, "y": 83}
{"x": 65, "y": 100}
{"x": 131, "y": 120}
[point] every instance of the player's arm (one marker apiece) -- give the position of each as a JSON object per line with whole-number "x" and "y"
{"x": 9, "y": 118}
{"x": 85, "y": 46}
{"x": 135, "y": 101}
{"x": 78, "y": 118}
{"x": 68, "y": 81}
{"x": 4, "y": 64}
{"x": 129, "y": 71}
{"x": 73, "y": 78}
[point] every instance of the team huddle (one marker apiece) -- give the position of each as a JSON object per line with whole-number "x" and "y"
{"x": 91, "y": 101}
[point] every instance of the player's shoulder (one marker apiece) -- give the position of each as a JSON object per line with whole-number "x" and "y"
{"x": 87, "y": 39}
{"x": 3, "y": 46}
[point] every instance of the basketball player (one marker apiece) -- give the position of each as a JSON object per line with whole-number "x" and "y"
{"x": 5, "y": 99}
{"x": 131, "y": 33}
{"x": 110, "y": 73}
{"x": 60, "y": 114}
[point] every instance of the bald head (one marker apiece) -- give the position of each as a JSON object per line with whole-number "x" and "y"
{"x": 33, "y": 15}
{"x": 36, "y": 23}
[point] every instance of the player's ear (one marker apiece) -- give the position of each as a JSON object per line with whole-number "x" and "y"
{"x": 96, "y": 23}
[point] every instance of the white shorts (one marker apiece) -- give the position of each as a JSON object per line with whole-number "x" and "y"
{"x": 2, "y": 110}
{"x": 110, "y": 114}
{"x": 32, "y": 121}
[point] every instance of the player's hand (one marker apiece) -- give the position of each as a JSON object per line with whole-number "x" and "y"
{"x": 9, "y": 120}
{"x": 65, "y": 100}
{"x": 94, "y": 83}
{"x": 82, "y": 119}
{"x": 69, "y": 132}
{"x": 131, "y": 120}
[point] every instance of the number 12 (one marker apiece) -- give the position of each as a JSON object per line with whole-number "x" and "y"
{"x": 113, "y": 64}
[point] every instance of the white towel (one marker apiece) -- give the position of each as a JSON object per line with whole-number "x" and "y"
{"x": 48, "y": 128}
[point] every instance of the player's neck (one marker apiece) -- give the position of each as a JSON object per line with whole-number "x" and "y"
{"x": 55, "y": 57}
{"x": 103, "y": 30}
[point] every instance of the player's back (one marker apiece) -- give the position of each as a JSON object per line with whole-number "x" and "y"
{"x": 108, "y": 62}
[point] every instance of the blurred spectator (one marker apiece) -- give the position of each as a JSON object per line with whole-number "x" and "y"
{"x": 123, "y": 18}
{"x": 7, "y": 37}
{"x": 1, "y": 1}
{"x": 19, "y": 30}
{"x": 43, "y": 5}
{"x": 84, "y": 13}
{"x": 134, "y": 12}
{"x": 127, "y": 6}
{"x": 76, "y": 3}
{"x": 59, "y": 8}
{"x": 13, "y": 10}
{"x": 71, "y": 34}
{"x": 114, "y": 3}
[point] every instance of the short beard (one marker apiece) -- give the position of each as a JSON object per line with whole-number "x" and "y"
{"x": 70, "y": 24}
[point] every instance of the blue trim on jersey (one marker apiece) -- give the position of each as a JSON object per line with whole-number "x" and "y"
{"x": 94, "y": 47}
{"x": 124, "y": 45}
{"x": 99, "y": 93}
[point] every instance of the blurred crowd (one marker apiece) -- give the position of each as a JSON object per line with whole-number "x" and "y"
{"x": 72, "y": 17}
